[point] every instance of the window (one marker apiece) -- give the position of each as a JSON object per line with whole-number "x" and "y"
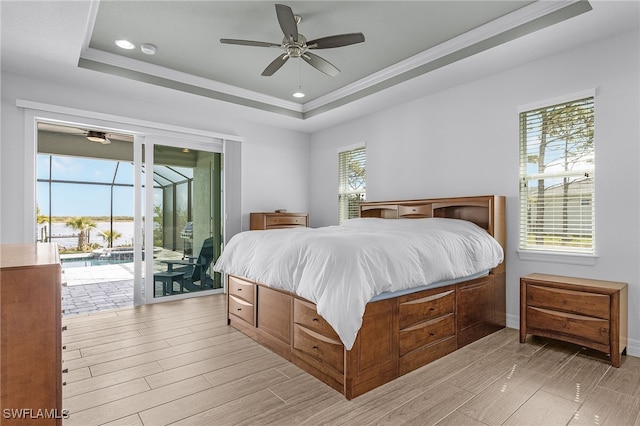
{"x": 557, "y": 184}
{"x": 352, "y": 182}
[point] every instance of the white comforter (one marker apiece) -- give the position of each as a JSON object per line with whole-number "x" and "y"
{"x": 340, "y": 268}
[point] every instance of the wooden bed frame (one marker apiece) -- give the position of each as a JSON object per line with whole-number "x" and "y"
{"x": 398, "y": 334}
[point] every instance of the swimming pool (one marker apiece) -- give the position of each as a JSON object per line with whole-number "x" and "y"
{"x": 102, "y": 256}
{"x": 81, "y": 262}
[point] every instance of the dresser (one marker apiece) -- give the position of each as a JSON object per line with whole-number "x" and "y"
{"x": 278, "y": 220}
{"x": 30, "y": 315}
{"x": 587, "y": 312}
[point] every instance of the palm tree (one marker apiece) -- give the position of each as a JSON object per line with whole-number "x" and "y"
{"x": 109, "y": 236}
{"x": 42, "y": 219}
{"x": 81, "y": 224}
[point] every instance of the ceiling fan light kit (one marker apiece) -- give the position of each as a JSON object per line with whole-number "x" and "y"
{"x": 295, "y": 45}
{"x": 95, "y": 136}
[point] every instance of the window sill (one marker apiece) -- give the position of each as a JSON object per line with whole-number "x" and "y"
{"x": 558, "y": 257}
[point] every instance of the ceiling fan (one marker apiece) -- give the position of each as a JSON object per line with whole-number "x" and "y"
{"x": 295, "y": 45}
{"x": 97, "y": 136}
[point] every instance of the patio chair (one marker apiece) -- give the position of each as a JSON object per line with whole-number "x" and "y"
{"x": 189, "y": 272}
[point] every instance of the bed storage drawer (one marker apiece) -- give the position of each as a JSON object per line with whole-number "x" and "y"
{"x": 242, "y": 289}
{"x": 426, "y": 333}
{"x": 330, "y": 352}
{"x": 305, "y": 314}
{"x": 241, "y": 309}
{"x": 413, "y": 311}
{"x": 577, "y": 302}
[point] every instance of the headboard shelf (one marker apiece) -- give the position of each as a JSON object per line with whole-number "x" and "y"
{"x": 485, "y": 211}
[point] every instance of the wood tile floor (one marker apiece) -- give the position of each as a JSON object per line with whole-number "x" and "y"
{"x": 179, "y": 363}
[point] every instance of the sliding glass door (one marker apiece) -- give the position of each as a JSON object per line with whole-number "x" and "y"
{"x": 181, "y": 218}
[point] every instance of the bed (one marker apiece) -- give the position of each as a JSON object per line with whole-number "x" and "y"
{"x": 359, "y": 322}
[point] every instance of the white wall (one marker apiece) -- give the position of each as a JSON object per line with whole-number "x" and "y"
{"x": 464, "y": 141}
{"x": 275, "y": 161}
{"x": 276, "y": 171}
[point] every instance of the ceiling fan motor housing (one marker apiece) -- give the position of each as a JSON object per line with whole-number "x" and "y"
{"x": 295, "y": 49}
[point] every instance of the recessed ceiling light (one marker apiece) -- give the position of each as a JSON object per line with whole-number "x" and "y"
{"x": 298, "y": 95}
{"x": 125, "y": 44}
{"x": 148, "y": 49}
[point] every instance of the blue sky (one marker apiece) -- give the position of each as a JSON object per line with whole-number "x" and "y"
{"x": 81, "y": 199}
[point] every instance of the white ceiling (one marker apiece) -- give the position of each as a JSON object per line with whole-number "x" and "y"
{"x": 405, "y": 42}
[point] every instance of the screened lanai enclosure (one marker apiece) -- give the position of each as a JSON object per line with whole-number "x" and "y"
{"x": 85, "y": 203}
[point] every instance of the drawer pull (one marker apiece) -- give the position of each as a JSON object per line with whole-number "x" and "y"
{"x": 64, "y": 383}
{"x": 315, "y": 347}
{"x": 432, "y": 334}
{"x": 66, "y": 370}
{"x": 238, "y": 309}
{"x": 64, "y": 328}
{"x": 64, "y": 347}
{"x": 239, "y": 289}
{"x": 314, "y": 319}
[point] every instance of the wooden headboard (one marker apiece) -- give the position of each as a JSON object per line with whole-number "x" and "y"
{"x": 487, "y": 211}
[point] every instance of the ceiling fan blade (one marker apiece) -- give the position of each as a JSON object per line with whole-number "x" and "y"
{"x": 336, "y": 41}
{"x": 320, "y": 64}
{"x": 249, "y": 42}
{"x": 275, "y": 65}
{"x": 287, "y": 22}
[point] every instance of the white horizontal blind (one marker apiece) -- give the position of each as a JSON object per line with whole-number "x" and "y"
{"x": 557, "y": 185}
{"x": 352, "y": 182}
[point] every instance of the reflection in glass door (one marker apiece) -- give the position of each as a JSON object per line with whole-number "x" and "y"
{"x": 187, "y": 219}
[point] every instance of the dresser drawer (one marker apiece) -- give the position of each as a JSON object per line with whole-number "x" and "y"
{"x": 426, "y": 333}
{"x": 305, "y": 314}
{"x": 285, "y": 221}
{"x": 425, "y": 308}
{"x": 593, "y": 329}
{"x": 241, "y": 289}
{"x": 577, "y": 302}
{"x": 423, "y": 210}
{"x": 241, "y": 309}
{"x": 328, "y": 351}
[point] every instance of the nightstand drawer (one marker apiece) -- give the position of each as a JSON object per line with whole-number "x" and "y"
{"x": 286, "y": 221}
{"x": 262, "y": 221}
{"x": 594, "y": 329}
{"x": 577, "y": 302}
